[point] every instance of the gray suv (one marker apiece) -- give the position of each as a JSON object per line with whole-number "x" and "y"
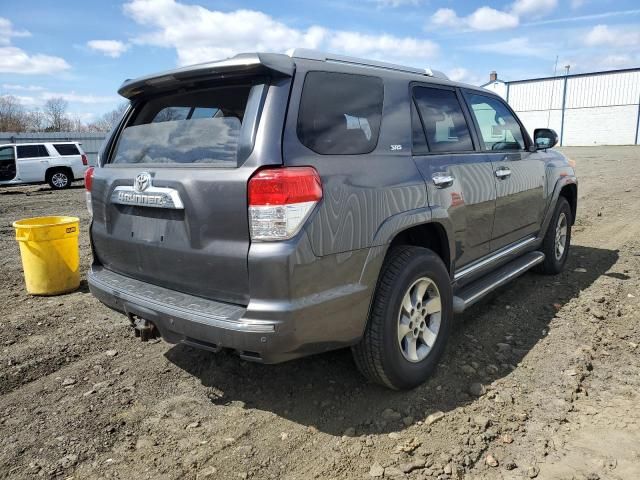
{"x": 284, "y": 205}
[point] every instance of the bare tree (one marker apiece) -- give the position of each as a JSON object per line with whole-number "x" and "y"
{"x": 12, "y": 115}
{"x": 36, "y": 121}
{"x": 110, "y": 119}
{"x": 55, "y": 111}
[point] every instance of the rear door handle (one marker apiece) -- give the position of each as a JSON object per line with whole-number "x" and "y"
{"x": 442, "y": 179}
{"x": 503, "y": 172}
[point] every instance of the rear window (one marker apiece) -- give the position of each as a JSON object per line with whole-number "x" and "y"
{"x": 66, "y": 149}
{"x": 32, "y": 151}
{"x": 340, "y": 113}
{"x": 201, "y": 127}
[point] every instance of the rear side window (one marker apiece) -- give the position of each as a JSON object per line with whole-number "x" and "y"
{"x": 340, "y": 113}
{"x": 201, "y": 126}
{"x": 66, "y": 149}
{"x": 444, "y": 124}
{"x": 32, "y": 151}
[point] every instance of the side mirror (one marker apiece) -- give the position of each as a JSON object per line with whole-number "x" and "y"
{"x": 545, "y": 138}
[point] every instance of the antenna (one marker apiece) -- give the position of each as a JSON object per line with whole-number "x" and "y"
{"x": 553, "y": 85}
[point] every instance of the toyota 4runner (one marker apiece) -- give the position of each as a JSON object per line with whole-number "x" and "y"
{"x": 285, "y": 205}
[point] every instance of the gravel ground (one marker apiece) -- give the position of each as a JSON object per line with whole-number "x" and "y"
{"x": 542, "y": 380}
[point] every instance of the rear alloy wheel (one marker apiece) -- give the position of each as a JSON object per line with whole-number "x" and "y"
{"x": 410, "y": 319}
{"x": 59, "y": 179}
{"x": 419, "y": 320}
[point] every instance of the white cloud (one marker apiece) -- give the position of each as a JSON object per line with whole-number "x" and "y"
{"x": 398, "y": 3}
{"x": 575, "y": 4}
{"x": 7, "y": 31}
{"x": 381, "y": 46}
{"x": 22, "y": 88}
{"x": 533, "y": 8}
{"x": 447, "y": 17}
{"x": 110, "y": 48}
{"x": 74, "y": 97}
{"x": 618, "y": 61}
{"x": 461, "y": 74}
{"x": 483, "y": 19}
{"x": 71, "y": 97}
{"x": 199, "y": 34}
{"x": 602, "y": 35}
{"x": 519, "y": 46}
{"x": 486, "y": 18}
{"x": 16, "y": 60}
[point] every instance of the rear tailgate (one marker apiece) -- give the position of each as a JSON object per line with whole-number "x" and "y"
{"x": 170, "y": 203}
{"x": 200, "y": 249}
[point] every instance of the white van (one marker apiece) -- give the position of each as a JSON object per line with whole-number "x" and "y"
{"x": 55, "y": 163}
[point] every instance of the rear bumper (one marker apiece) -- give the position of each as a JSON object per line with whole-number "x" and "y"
{"x": 268, "y": 332}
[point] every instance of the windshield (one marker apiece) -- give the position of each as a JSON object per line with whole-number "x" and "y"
{"x": 201, "y": 127}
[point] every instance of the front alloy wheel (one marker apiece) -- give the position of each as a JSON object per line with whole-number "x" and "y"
{"x": 561, "y": 235}
{"x": 557, "y": 240}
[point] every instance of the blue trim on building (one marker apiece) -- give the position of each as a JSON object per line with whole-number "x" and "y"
{"x": 573, "y": 75}
{"x": 564, "y": 102}
{"x": 638, "y": 124}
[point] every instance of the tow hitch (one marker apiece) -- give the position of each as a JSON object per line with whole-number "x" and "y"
{"x": 143, "y": 328}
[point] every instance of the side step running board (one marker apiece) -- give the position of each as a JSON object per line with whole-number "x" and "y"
{"x": 470, "y": 294}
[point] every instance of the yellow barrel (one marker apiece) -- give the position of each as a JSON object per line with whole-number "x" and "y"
{"x": 50, "y": 254}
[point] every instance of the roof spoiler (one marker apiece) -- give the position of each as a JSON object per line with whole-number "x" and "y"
{"x": 243, "y": 63}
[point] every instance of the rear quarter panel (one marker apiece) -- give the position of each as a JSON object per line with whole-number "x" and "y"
{"x": 361, "y": 192}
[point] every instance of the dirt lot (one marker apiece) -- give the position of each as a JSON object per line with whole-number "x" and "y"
{"x": 558, "y": 357}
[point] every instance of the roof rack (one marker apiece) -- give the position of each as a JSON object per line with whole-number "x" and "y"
{"x": 310, "y": 54}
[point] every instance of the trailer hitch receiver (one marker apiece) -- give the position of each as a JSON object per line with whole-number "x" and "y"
{"x": 143, "y": 328}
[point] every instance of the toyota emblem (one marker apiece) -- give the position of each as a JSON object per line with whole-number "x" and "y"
{"x": 142, "y": 182}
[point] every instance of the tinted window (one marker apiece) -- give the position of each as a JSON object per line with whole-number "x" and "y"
{"x": 443, "y": 121}
{"x": 7, "y": 163}
{"x": 31, "y": 151}
{"x": 66, "y": 149}
{"x": 201, "y": 126}
{"x": 498, "y": 127}
{"x": 419, "y": 140}
{"x": 340, "y": 113}
{"x": 6, "y": 153}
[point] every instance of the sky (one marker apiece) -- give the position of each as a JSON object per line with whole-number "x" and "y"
{"x": 82, "y": 50}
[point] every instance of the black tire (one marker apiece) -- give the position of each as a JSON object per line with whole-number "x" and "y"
{"x": 554, "y": 264}
{"x": 59, "y": 178}
{"x": 379, "y": 355}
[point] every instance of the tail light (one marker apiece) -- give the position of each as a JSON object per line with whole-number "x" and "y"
{"x": 88, "y": 184}
{"x": 281, "y": 200}
{"x": 84, "y": 159}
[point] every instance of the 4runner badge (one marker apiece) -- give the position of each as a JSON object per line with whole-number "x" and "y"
{"x": 144, "y": 194}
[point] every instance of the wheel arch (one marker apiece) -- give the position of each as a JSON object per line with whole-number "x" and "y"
{"x": 432, "y": 235}
{"x": 54, "y": 168}
{"x": 570, "y": 192}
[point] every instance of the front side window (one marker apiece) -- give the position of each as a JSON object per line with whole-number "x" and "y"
{"x": 443, "y": 121}
{"x": 7, "y": 163}
{"x": 340, "y": 113}
{"x": 199, "y": 126}
{"x": 32, "y": 151}
{"x": 499, "y": 128}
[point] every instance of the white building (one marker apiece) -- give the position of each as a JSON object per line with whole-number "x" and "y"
{"x": 599, "y": 108}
